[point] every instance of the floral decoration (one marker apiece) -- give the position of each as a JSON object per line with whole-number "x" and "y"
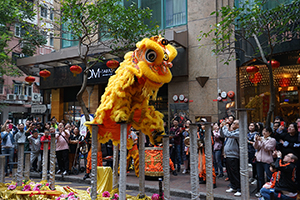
{"x": 70, "y": 196}
{"x": 156, "y": 196}
{"x": 12, "y": 186}
{"x": 106, "y": 194}
{"x": 115, "y": 197}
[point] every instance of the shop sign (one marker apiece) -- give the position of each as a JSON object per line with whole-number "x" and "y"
{"x": 38, "y": 108}
{"x": 99, "y": 72}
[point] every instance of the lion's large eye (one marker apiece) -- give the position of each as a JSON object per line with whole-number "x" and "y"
{"x": 166, "y": 57}
{"x": 150, "y": 55}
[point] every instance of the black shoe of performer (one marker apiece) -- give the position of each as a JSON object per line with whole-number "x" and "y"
{"x": 87, "y": 175}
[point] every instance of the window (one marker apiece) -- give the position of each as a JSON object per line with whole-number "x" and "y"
{"x": 1, "y": 85}
{"x": 167, "y": 13}
{"x": 19, "y": 30}
{"x": 22, "y": 89}
{"x": 68, "y": 38}
{"x": 44, "y": 11}
{"x": 51, "y": 38}
{"x": 51, "y": 14}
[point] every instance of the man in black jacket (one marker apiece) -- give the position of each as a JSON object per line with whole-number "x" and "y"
{"x": 285, "y": 186}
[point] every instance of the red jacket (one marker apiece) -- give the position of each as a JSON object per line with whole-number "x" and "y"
{"x": 43, "y": 138}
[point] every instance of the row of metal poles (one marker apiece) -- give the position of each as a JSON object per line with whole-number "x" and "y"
{"x": 121, "y": 183}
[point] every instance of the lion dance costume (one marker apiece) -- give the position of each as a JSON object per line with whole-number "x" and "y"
{"x": 127, "y": 94}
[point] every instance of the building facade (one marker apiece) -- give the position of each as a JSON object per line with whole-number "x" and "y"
{"x": 198, "y": 76}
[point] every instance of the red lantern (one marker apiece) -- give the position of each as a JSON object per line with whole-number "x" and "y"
{"x": 274, "y": 63}
{"x": 230, "y": 94}
{"x": 45, "y": 74}
{"x": 252, "y": 69}
{"x": 284, "y": 82}
{"x": 256, "y": 78}
{"x": 112, "y": 64}
{"x": 75, "y": 69}
{"x": 30, "y": 79}
{"x": 298, "y": 61}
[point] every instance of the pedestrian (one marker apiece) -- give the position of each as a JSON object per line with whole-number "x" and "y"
{"x": 74, "y": 140}
{"x": 231, "y": 150}
{"x": 217, "y": 150}
{"x": 185, "y": 155}
{"x": 176, "y": 135}
{"x": 35, "y": 146}
{"x": 285, "y": 187}
{"x": 8, "y": 147}
{"x": 21, "y": 137}
{"x": 62, "y": 149}
{"x": 252, "y": 128}
{"x": 46, "y": 137}
{"x": 264, "y": 156}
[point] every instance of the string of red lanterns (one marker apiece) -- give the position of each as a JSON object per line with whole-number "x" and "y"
{"x": 30, "y": 79}
{"x": 45, "y": 74}
{"x": 112, "y": 64}
{"x": 75, "y": 69}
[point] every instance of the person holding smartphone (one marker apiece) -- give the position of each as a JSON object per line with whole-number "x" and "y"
{"x": 8, "y": 147}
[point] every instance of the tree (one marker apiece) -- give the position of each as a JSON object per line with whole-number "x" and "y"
{"x": 17, "y": 12}
{"x": 101, "y": 23}
{"x": 263, "y": 29}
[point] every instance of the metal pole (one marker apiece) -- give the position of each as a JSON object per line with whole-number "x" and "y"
{"x": 123, "y": 152}
{"x": 194, "y": 161}
{"x": 45, "y": 159}
{"x": 94, "y": 161}
{"x": 208, "y": 162}
{"x": 52, "y": 161}
{"x": 27, "y": 165}
{"x": 2, "y": 167}
{"x": 20, "y": 163}
{"x": 115, "y": 166}
{"x": 142, "y": 164}
{"x": 166, "y": 167}
{"x": 243, "y": 155}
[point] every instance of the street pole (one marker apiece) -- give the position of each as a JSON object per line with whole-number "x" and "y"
{"x": 194, "y": 161}
{"x": 115, "y": 166}
{"x": 243, "y": 128}
{"x": 52, "y": 162}
{"x": 94, "y": 161}
{"x": 166, "y": 167}
{"x": 208, "y": 162}
{"x": 123, "y": 165}
{"x": 2, "y": 167}
{"x": 45, "y": 159}
{"x": 20, "y": 163}
{"x": 142, "y": 164}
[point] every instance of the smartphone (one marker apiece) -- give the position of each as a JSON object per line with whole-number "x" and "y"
{"x": 10, "y": 126}
{"x": 282, "y": 123}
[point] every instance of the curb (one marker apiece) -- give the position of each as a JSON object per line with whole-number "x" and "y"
{"x": 150, "y": 189}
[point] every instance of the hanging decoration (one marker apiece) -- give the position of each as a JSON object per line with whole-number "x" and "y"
{"x": 252, "y": 69}
{"x": 274, "y": 63}
{"x": 30, "y": 79}
{"x": 285, "y": 82}
{"x": 256, "y": 78}
{"x": 75, "y": 69}
{"x": 112, "y": 64}
{"x": 45, "y": 74}
{"x": 298, "y": 61}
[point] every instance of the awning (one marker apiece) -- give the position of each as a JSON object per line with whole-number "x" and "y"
{"x": 32, "y": 65}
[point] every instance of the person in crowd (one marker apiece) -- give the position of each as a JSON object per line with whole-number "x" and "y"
{"x": 40, "y": 127}
{"x": 74, "y": 140}
{"x": 259, "y": 128}
{"x": 47, "y": 125}
{"x": 201, "y": 157}
{"x": 285, "y": 186}
{"x": 231, "y": 150}
{"x": 176, "y": 132}
{"x": 185, "y": 155}
{"x": 217, "y": 150}
{"x": 133, "y": 153}
{"x": 54, "y": 123}
{"x": 21, "y": 136}
{"x": 274, "y": 178}
{"x": 8, "y": 140}
{"x": 264, "y": 156}
{"x": 31, "y": 128}
{"x": 27, "y": 123}
{"x": 35, "y": 155}
{"x": 62, "y": 149}
{"x": 275, "y": 128}
{"x": 45, "y": 137}
{"x": 251, "y": 150}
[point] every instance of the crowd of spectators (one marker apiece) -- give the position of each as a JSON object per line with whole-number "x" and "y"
{"x": 70, "y": 145}
{"x": 277, "y": 146}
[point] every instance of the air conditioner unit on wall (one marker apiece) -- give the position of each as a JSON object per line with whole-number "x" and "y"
{"x": 36, "y": 97}
{"x": 22, "y": 97}
{"x": 11, "y": 97}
